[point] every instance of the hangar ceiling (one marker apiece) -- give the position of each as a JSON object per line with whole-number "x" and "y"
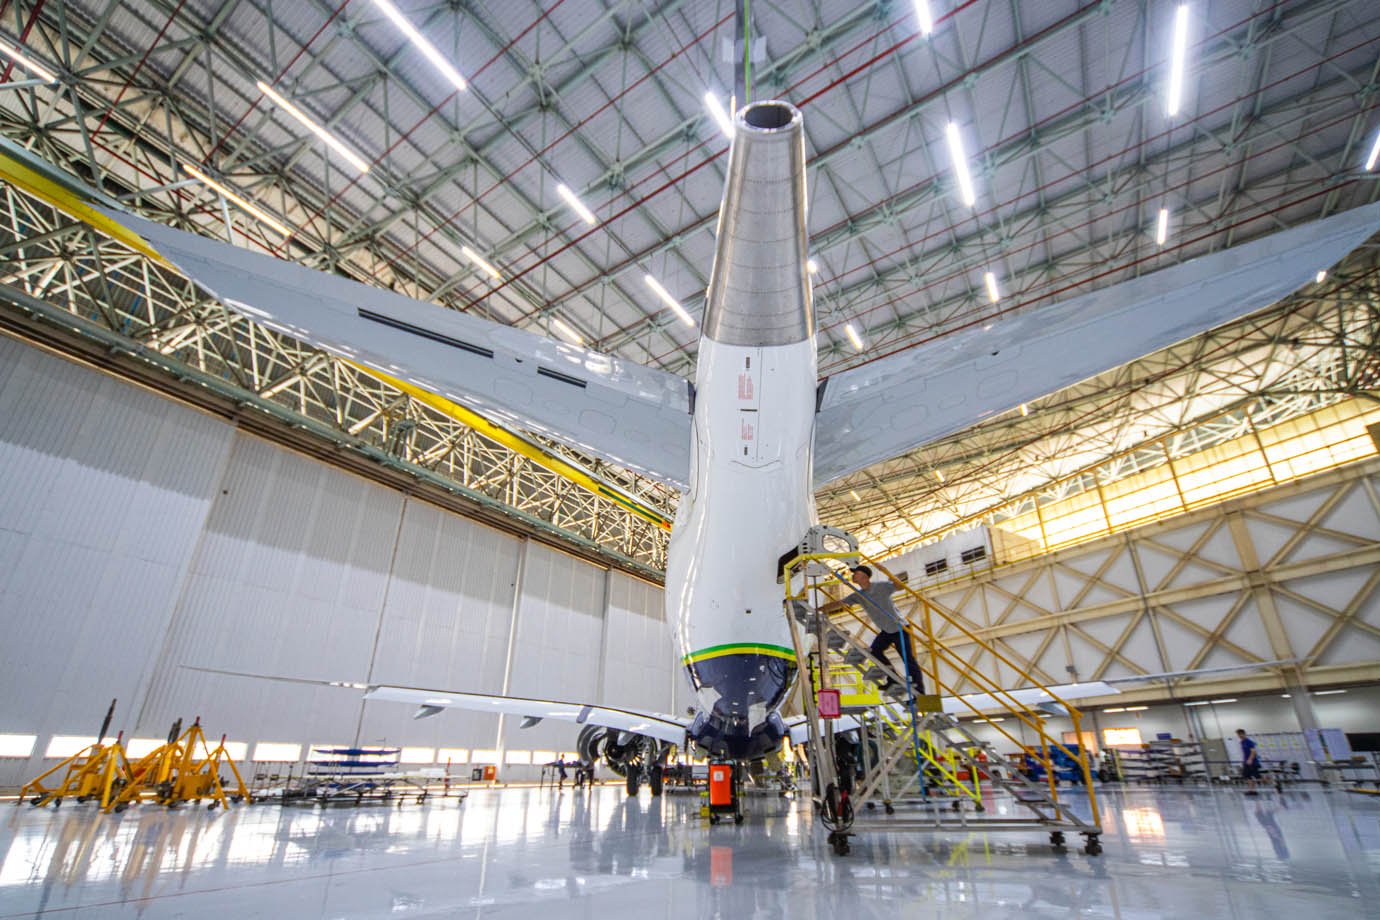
{"x": 1061, "y": 104}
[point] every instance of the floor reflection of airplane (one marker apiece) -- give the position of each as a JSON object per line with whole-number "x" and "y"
{"x": 757, "y": 430}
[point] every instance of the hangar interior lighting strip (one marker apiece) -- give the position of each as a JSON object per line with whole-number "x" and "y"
{"x": 245, "y": 205}
{"x": 1374, "y": 154}
{"x": 719, "y": 114}
{"x": 565, "y": 331}
{"x": 993, "y": 293}
{"x": 576, "y": 204}
{"x": 1177, "y": 57}
{"x": 924, "y": 17}
{"x": 38, "y": 70}
{"x": 419, "y": 40}
{"x": 481, "y": 263}
{"x": 1162, "y": 227}
{"x": 853, "y": 336}
{"x": 307, "y": 122}
{"x": 670, "y": 301}
{"x": 959, "y": 159}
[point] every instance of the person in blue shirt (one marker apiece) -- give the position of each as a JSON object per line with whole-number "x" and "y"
{"x": 1250, "y": 761}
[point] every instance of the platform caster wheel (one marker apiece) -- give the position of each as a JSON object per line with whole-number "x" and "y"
{"x": 81, "y": 800}
{"x": 119, "y": 809}
{"x": 1094, "y": 846}
{"x": 713, "y": 819}
{"x": 57, "y": 803}
{"x": 890, "y": 808}
{"x": 979, "y": 807}
{"x": 36, "y": 801}
{"x": 872, "y": 805}
{"x": 957, "y": 806}
{"x": 1056, "y": 840}
{"x": 737, "y": 819}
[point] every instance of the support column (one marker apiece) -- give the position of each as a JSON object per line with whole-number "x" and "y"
{"x": 1280, "y": 646}
{"x": 518, "y": 573}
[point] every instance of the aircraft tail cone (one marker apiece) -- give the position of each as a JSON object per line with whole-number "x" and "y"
{"x": 759, "y": 288}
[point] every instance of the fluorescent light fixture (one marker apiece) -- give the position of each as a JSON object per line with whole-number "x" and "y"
{"x": 565, "y": 331}
{"x": 46, "y": 75}
{"x": 427, "y": 49}
{"x": 991, "y": 281}
{"x": 1162, "y": 227}
{"x": 924, "y": 17}
{"x": 330, "y": 139}
{"x": 994, "y": 720}
{"x": 245, "y": 205}
{"x": 1230, "y": 699}
{"x": 1197, "y": 703}
{"x": 1374, "y": 154}
{"x": 939, "y": 474}
{"x": 1136, "y": 708}
{"x": 960, "y": 164}
{"x": 854, "y": 493}
{"x": 1321, "y": 277}
{"x": 1116, "y": 709}
{"x": 576, "y": 204}
{"x": 670, "y": 301}
{"x": 1025, "y": 410}
{"x": 479, "y": 261}
{"x": 1177, "y": 56}
{"x": 719, "y": 114}
{"x": 1327, "y": 692}
{"x": 812, "y": 266}
{"x": 853, "y": 336}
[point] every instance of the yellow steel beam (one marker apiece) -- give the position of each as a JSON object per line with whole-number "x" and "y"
{"x": 33, "y": 182}
{"x": 518, "y": 445}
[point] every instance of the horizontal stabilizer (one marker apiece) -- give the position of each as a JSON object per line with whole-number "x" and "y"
{"x": 604, "y": 406}
{"x": 895, "y": 404}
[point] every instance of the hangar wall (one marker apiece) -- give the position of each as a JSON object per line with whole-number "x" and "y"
{"x": 1277, "y": 588}
{"x": 140, "y": 539}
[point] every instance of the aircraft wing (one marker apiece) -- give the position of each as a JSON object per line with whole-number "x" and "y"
{"x": 656, "y": 725}
{"x": 630, "y": 415}
{"x": 892, "y": 405}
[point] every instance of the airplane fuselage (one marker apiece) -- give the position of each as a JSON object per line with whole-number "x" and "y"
{"x": 751, "y": 493}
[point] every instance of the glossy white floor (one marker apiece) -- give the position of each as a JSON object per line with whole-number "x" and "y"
{"x": 538, "y": 853}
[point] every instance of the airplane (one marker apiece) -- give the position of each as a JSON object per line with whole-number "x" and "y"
{"x": 756, "y": 431}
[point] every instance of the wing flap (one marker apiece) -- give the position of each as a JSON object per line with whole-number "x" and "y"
{"x": 890, "y": 406}
{"x": 620, "y": 411}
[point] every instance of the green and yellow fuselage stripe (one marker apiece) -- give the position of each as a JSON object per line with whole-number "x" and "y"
{"x": 740, "y": 648}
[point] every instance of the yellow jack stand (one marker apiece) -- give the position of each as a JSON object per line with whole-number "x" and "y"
{"x": 97, "y": 771}
{"x": 173, "y": 774}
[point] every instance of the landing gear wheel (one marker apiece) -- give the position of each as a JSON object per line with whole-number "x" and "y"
{"x": 839, "y": 841}
{"x": 632, "y": 782}
{"x": 654, "y": 782}
{"x": 1056, "y": 840}
{"x": 1094, "y": 846}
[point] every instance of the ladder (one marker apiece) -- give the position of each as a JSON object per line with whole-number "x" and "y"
{"x": 906, "y": 750}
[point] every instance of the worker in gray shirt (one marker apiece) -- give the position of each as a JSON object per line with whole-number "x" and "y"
{"x": 875, "y": 599}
